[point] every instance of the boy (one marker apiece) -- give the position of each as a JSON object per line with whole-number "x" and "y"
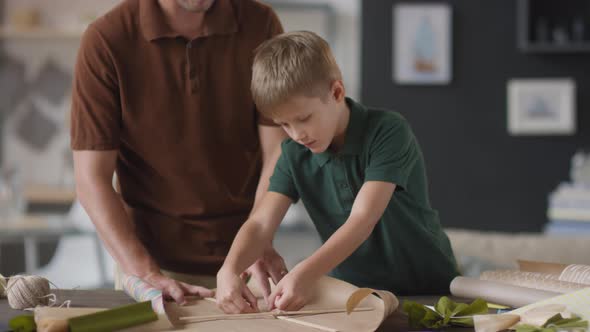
{"x": 360, "y": 174}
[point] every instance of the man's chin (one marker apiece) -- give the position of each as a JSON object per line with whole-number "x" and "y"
{"x": 195, "y": 6}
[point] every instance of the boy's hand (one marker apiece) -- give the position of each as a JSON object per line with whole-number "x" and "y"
{"x": 233, "y": 296}
{"x": 292, "y": 292}
{"x": 271, "y": 265}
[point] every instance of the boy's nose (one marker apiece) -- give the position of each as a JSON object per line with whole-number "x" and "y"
{"x": 298, "y": 135}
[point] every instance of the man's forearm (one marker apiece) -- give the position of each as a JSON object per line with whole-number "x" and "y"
{"x": 115, "y": 228}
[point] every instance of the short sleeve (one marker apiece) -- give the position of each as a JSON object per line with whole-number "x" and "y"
{"x": 274, "y": 28}
{"x": 281, "y": 180}
{"x": 393, "y": 154}
{"x": 96, "y": 107}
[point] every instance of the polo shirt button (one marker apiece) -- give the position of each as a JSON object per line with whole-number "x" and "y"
{"x": 343, "y": 185}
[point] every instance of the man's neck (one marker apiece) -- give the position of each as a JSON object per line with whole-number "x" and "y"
{"x": 187, "y": 23}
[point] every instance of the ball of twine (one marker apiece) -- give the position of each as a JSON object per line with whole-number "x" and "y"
{"x": 27, "y": 291}
{"x": 2, "y": 286}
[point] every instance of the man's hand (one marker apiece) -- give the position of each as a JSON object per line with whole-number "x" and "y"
{"x": 271, "y": 265}
{"x": 233, "y": 296}
{"x": 176, "y": 290}
{"x": 292, "y": 292}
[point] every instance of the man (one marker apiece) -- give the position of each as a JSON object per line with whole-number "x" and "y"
{"x": 161, "y": 96}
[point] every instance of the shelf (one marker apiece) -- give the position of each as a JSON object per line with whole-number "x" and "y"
{"x": 556, "y": 48}
{"x": 41, "y": 194}
{"x": 546, "y": 26}
{"x": 39, "y": 33}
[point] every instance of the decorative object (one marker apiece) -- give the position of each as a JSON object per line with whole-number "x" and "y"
{"x": 26, "y": 18}
{"x": 36, "y": 128}
{"x": 12, "y": 83}
{"x": 422, "y": 43}
{"x": 52, "y": 83}
{"x": 541, "y": 107}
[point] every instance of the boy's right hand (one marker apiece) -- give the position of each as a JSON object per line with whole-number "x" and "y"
{"x": 233, "y": 296}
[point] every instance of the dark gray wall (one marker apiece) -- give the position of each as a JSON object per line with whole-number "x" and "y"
{"x": 480, "y": 177}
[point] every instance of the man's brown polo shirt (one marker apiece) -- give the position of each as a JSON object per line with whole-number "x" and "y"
{"x": 181, "y": 116}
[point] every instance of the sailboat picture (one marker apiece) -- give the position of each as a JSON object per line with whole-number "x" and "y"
{"x": 541, "y": 106}
{"x": 421, "y": 43}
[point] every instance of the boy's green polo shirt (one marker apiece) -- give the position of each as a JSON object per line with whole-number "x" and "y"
{"x": 407, "y": 252}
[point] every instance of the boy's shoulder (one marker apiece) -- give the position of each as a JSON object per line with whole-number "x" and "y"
{"x": 377, "y": 117}
{"x": 383, "y": 122}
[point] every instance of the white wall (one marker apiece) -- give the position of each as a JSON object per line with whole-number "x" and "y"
{"x": 346, "y": 37}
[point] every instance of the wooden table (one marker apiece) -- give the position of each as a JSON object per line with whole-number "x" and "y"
{"x": 111, "y": 298}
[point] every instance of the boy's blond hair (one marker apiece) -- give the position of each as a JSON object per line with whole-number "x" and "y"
{"x": 294, "y": 63}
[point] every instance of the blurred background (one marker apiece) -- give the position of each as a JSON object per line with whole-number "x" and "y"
{"x": 497, "y": 92}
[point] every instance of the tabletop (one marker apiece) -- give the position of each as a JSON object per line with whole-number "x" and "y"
{"x": 107, "y": 298}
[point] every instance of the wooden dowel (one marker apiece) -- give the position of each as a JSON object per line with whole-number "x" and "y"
{"x": 271, "y": 314}
{"x": 308, "y": 324}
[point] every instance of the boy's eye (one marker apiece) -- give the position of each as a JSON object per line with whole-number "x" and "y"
{"x": 305, "y": 118}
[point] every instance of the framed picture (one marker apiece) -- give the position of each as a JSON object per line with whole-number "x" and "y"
{"x": 422, "y": 43}
{"x": 541, "y": 106}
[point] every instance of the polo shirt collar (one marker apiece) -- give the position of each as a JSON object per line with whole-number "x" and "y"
{"x": 354, "y": 134}
{"x": 220, "y": 19}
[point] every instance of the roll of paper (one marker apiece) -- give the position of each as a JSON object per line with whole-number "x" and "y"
{"x": 497, "y": 292}
{"x": 141, "y": 291}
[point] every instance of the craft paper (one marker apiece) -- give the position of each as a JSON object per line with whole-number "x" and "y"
{"x": 577, "y": 302}
{"x": 329, "y": 293}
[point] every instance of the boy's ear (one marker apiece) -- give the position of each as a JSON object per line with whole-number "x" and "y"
{"x": 337, "y": 90}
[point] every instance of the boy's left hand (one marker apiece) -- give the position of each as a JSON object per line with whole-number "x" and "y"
{"x": 270, "y": 265}
{"x": 292, "y": 292}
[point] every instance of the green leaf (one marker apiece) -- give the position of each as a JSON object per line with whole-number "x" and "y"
{"x": 463, "y": 321}
{"x": 559, "y": 322}
{"x": 419, "y": 315}
{"x": 554, "y": 324}
{"x": 477, "y": 307}
{"x": 532, "y": 328}
{"x": 24, "y": 323}
{"x": 446, "y": 313}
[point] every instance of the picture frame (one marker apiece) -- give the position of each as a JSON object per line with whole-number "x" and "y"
{"x": 422, "y": 43}
{"x": 541, "y": 106}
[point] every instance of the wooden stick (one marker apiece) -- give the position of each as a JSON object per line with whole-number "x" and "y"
{"x": 270, "y": 314}
{"x": 308, "y": 324}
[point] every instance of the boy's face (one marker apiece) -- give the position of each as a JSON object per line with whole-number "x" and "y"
{"x": 311, "y": 121}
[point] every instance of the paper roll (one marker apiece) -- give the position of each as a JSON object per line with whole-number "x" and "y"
{"x": 547, "y": 282}
{"x": 576, "y": 273}
{"x": 497, "y": 292}
{"x": 541, "y": 267}
{"x": 571, "y": 273}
